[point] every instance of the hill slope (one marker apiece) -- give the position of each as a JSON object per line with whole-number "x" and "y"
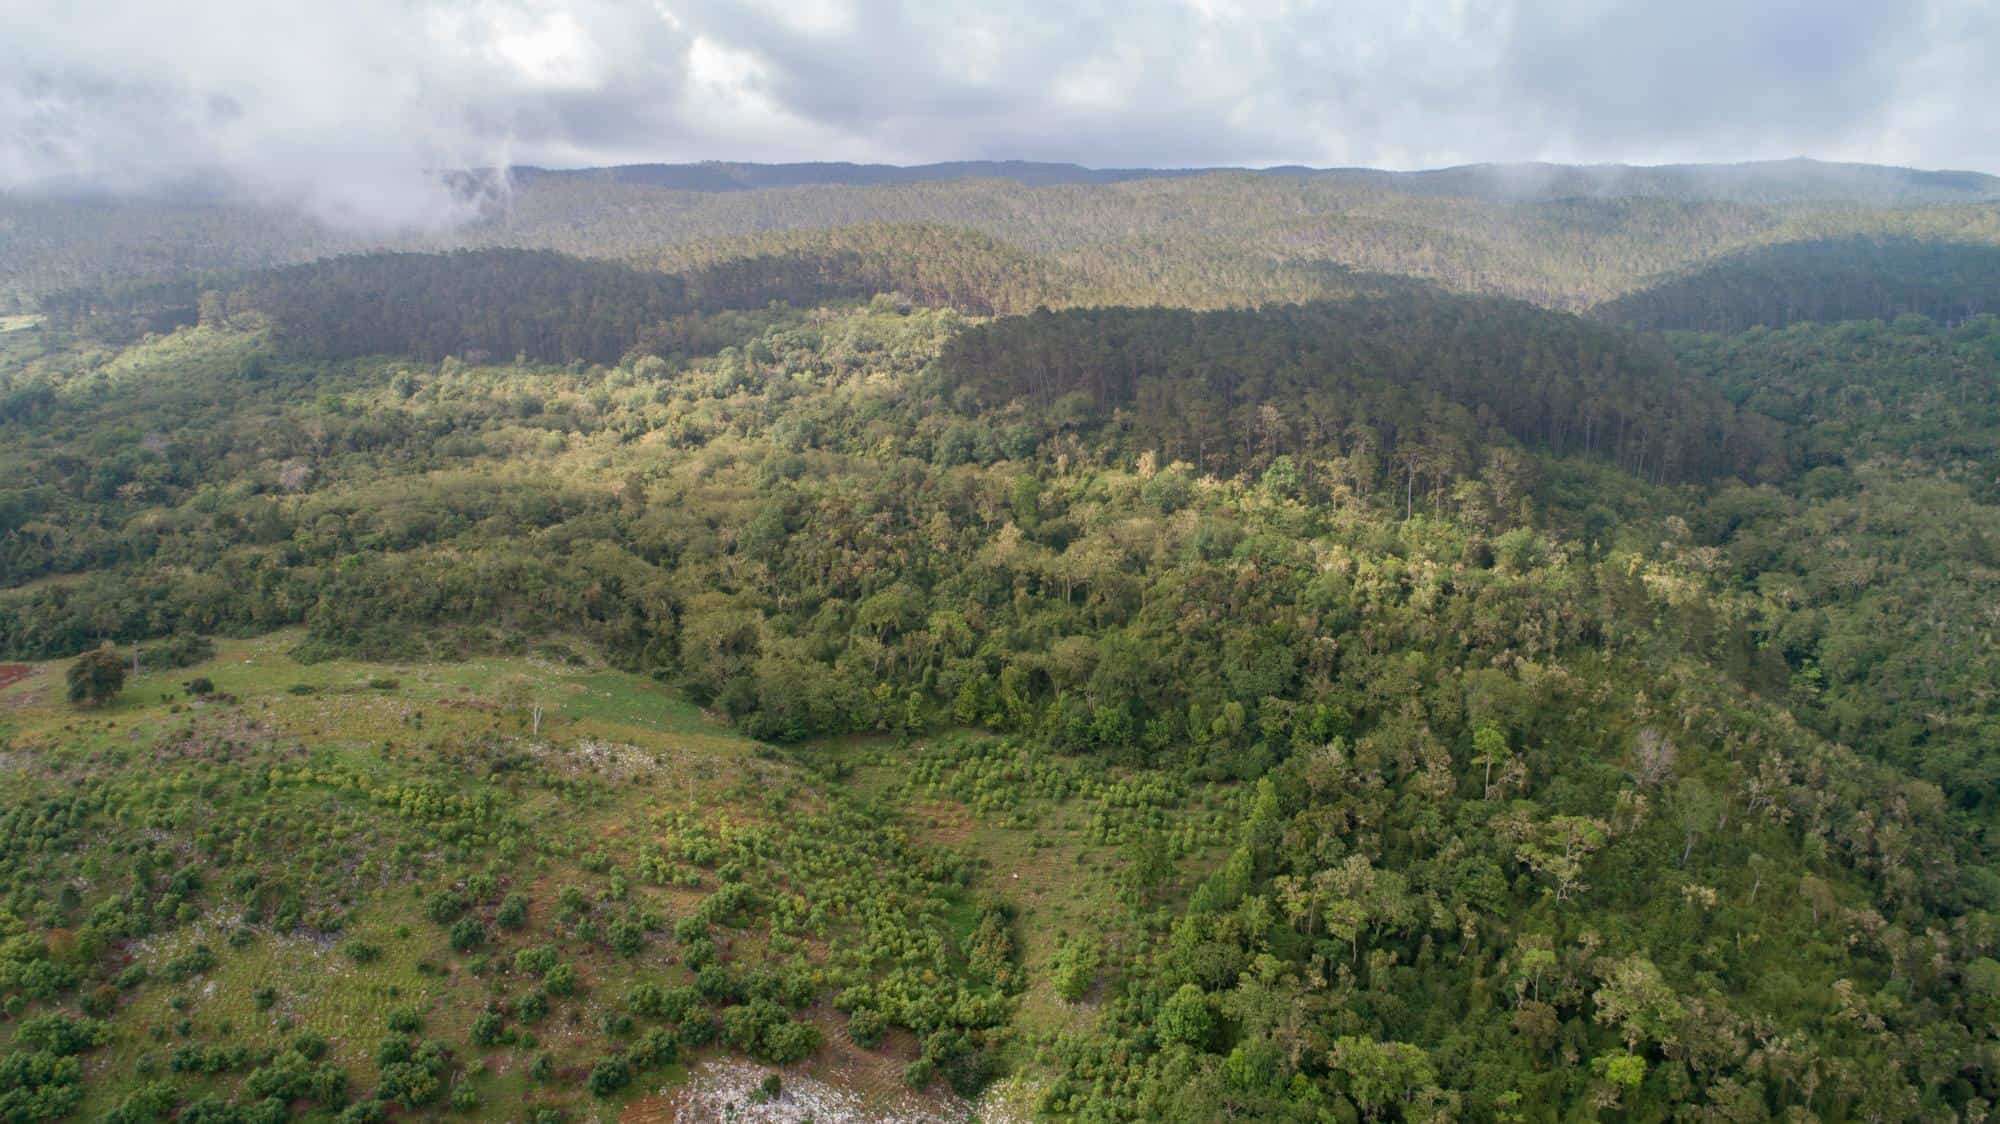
{"x": 1248, "y": 788}
{"x": 1822, "y": 281}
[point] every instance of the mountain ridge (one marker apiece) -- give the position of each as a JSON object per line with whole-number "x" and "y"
{"x": 1798, "y": 179}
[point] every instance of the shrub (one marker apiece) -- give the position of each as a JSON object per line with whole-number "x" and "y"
{"x": 191, "y": 963}
{"x": 513, "y": 913}
{"x": 61, "y": 1035}
{"x": 184, "y": 650}
{"x": 537, "y": 961}
{"x": 789, "y": 1041}
{"x": 609, "y": 1076}
{"x": 741, "y": 1027}
{"x": 866, "y": 1026}
{"x": 657, "y": 1048}
{"x": 444, "y": 907}
{"x": 715, "y": 982}
{"x": 676, "y": 1002}
{"x": 39, "y": 979}
{"x": 409, "y": 1084}
{"x": 362, "y": 1112}
{"x": 532, "y": 1007}
{"x": 627, "y": 937}
{"x": 291, "y": 1076}
{"x": 697, "y": 1032}
{"x": 1075, "y": 969}
{"x": 148, "y": 1104}
{"x": 645, "y": 999}
{"x": 467, "y": 934}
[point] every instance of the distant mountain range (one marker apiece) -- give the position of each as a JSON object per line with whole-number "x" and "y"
{"x": 1771, "y": 181}
{"x": 987, "y": 235}
{"x": 726, "y": 176}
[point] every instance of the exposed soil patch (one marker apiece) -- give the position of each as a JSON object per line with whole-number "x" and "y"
{"x": 12, "y": 673}
{"x": 842, "y": 1083}
{"x": 727, "y": 1091}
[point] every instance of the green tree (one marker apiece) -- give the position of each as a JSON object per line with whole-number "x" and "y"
{"x": 1382, "y": 1075}
{"x": 1187, "y": 1017}
{"x": 1638, "y": 1001}
{"x": 1489, "y": 748}
{"x": 1075, "y": 968}
{"x": 609, "y": 1076}
{"x": 96, "y": 677}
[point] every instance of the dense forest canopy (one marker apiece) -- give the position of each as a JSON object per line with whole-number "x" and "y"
{"x": 1190, "y": 648}
{"x": 502, "y": 302}
{"x": 1419, "y": 382}
{"x": 543, "y": 305}
{"x": 1825, "y": 281}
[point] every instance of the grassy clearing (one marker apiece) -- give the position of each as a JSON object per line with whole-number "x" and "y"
{"x": 319, "y": 811}
{"x": 616, "y": 763}
{"x": 389, "y": 724}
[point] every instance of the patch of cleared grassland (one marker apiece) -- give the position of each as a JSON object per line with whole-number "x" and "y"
{"x": 325, "y": 806}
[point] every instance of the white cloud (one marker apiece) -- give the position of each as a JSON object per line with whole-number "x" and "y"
{"x": 347, "y": 108}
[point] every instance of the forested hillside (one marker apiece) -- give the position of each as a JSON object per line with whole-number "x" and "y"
{"x": 540, "y": 685}
{"x": 1566, "y": 238}
{"x": 1415, "y": 388}
{"x": 1823, "y": 281}
{"x": 1508, "y": 643}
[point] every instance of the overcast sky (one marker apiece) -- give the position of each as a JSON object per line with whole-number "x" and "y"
{"x": 342, "y": 105}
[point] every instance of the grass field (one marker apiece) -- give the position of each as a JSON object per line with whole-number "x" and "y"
{"x": 384, "y": 722}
